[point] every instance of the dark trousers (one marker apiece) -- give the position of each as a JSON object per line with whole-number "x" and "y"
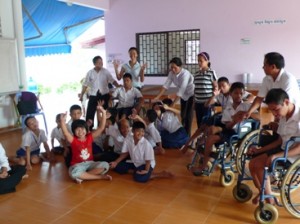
{"x": 8, "y": 185}
{"x": 123, "y": 168}
{"x": 201, "y": 111}
{"x": 92, "y": 105}
{"x": 187, "y": 114}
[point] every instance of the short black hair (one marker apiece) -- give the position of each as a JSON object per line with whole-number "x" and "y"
{"x": 138, "y": 125}
{"x": 177, "y": 61}
{"x": 133, "y": 49}
{"x": 223, "y": 79}
{"x": 57, "y": 118}
{"x": 274, "y": 58}
{"x": 276, "y": 96}
{"x": 167, "y": 101}
{"x": 127, "y": 75}
{"x": 75, "y": 107}
{"x": 236, "y": 85}
{"x": 113, "y": 112}
{"x": 95, "y": 59}
{"x": 160, "y": 105}
{"x": 79, "y": 124}
{"x": 26, "y": 120}
{"x": 151, "y": 115}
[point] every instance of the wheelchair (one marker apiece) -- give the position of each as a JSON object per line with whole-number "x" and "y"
{"x": 287, "y": 176}
{"x": 258, "y": 137}
{"x": 224, "y": 154}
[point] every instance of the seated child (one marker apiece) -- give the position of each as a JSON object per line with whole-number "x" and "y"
{"x": 141, "y": 154}
{"x": 82, "y": 166}
{"x": 173, "y": 134}
{"x": 151, "y": 132}
{"x": 221, "y": 97}
{"x": 57, "y": 134}
{"x": 127, "y": 96}
{"x": 230, "y": 118}
{"x": 29, "y": 153}
{"x": 289, "y": 125}
{"x": 10, "y": 177}
{"x": 118, "y": 134}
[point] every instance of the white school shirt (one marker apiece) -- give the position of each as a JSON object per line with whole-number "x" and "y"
{"x": 289, "y": 128}
{"x": 184, "y": 81}
{"x": 170, "y": 122}
{"x": 225, "y": 100}
{"x": 118, "y": 138}
{"x": 3, "y": 158}
{"x": 230, "y": 111}
{"x": 29, "y": 139}
{"x": 58, "y": 135}
{"x": 140, "y": 152}
{"x": 98, "y": 81}
{"x": 135, "y": 73}
{"x": 152, "y": 134}
{"x": 126, "y": 99}
{"x": 285, "y": 81}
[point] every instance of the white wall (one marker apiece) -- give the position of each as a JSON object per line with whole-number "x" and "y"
{"x": 12, "y": 27}
{"x": 222, "y": 25}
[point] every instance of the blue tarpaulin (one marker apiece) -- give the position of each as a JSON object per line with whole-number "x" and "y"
{"x": 50, "y": 26}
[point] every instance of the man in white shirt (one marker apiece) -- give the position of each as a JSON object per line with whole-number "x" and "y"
{"x": 97, "y": 79}
{"x": 276, "y": 77}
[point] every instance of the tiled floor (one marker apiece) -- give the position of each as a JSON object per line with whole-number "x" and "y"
{"x": 49, "y": 196}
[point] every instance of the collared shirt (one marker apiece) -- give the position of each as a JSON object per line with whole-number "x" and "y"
{"x": 3, "y": 159}
{"x": 135, "y": 73}
{"x": 289, "y": 128}
{"x": 29, "y": 139}
{"x": 225, "y": 100}
{"x": 98, "y": 81}
{"x": 57, "y": 134}
{"x": 152, "y": 134}
{"x": 126, "y": 98}
{"x": 118, "y": 138}
{"x": 285, "y": 81}
{"x": 230, "y": 111}
{"x": 204, "y": 88}
{"x": 140, "y": 152}
{"x": 170, "y": 122}
{"x": 184, "y": 81}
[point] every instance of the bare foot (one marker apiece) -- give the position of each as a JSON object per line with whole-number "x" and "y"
{"x": 25, "y": 176}
{"x": 78, "y": 181}
{"x": 167, "y": 174}
{"x": 106, "y": 177}
{"x": 270, "y": 201}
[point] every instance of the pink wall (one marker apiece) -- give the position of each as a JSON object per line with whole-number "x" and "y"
{"x": 222, "y": 25}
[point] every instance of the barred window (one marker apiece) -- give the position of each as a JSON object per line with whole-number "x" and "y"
{"x": 158, "y": 48}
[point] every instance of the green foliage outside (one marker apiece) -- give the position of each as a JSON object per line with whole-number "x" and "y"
{"x": 71, "y": 86}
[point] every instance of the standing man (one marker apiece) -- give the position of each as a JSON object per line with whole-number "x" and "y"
{"x": 276, "y": 77}
{"x": 97, "y": 79}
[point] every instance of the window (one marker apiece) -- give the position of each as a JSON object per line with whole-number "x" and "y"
{"x": 157, "y": 49}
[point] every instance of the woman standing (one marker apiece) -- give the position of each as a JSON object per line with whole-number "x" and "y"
{"x": 133, "y": 67}
{"x": 184, "y": 82}
{"x": 205, "y": 81}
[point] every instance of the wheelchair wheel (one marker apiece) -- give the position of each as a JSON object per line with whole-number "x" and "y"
{"x": 227, "y": 179}
{"x": 242, "y": 193}
{"x": 290, "y": 190}
{"x": 251, "y": 138}
{"x": 267, "y": 214}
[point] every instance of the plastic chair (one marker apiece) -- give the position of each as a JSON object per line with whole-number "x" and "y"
{"x": 27, "y": 105}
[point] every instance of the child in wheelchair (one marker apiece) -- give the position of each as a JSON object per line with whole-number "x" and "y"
{"x": 229, "y": 122}
{"x": 289, "y": 125}
{"x": 217, "y": 103}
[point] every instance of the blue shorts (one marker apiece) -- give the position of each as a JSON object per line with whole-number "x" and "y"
{"x": 76, "y": 170}
{"x": 22, "y": 152}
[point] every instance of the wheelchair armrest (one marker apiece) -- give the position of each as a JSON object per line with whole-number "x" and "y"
{"x": 295, "y": 138}
{"x": 277, "y": 160}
